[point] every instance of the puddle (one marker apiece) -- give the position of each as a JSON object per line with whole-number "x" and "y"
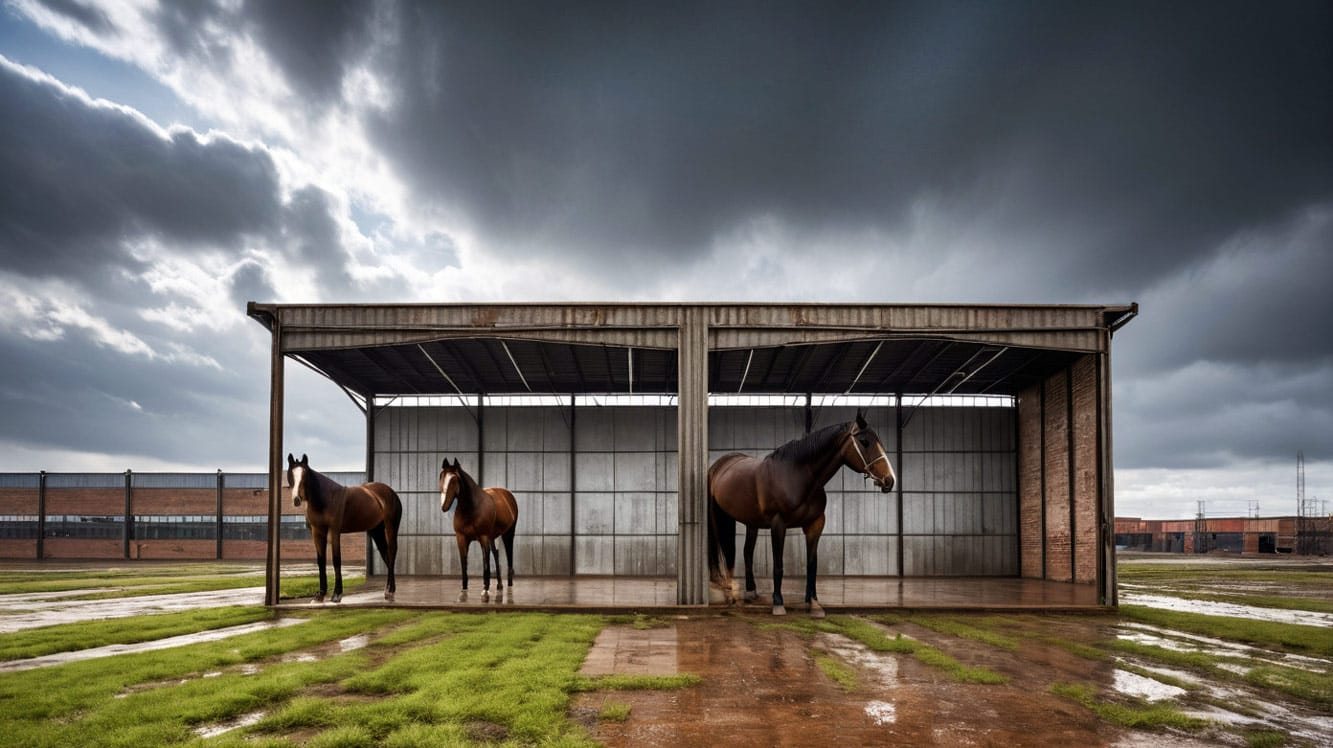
{"x": 883, "y": 666}
{"x": 51, "y": 608}
{"x": 1133, "y": 684}
{"x": 61, "y": 658}
{"x": 1181, "y": 641}
{"x": 354, "y": 643}
{"x": 1233, "y": 610}
{"x": 882, "y": 712}
{"x": 245, "y": 720}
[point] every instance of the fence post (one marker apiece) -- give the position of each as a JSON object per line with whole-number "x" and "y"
{"x": 219, "y": 523}
{"x": 128, "y": 532}
{"x": 41, "y": 515}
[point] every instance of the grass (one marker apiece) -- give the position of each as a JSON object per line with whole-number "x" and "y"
{"x": 425, "y": 679}
{"x": 1282, "y": 636}
{"x": 955, "y": 626}
{"x": 1134, "y": 715}
{"x": 68, "y": 637}
{"x": 875, "y": 639}
{"x": 614, "y": 711}
{"x": 837, "y": 672}
{"x": 1150, "y": 573}
{"x": 639, "y": 621}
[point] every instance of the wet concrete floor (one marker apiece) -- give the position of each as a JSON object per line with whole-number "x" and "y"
{"x": 31, "y": 610}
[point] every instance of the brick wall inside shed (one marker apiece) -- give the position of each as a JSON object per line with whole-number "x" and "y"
{"x": 1060, "y": 475}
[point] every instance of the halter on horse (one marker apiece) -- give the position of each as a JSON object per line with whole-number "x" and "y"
{"x": 484, "y": 515}
{"x": 332, "y": 509}
{"x": 786, "y": 489}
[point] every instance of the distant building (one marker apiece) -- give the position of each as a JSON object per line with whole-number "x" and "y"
{"x": 1247, "y": 535}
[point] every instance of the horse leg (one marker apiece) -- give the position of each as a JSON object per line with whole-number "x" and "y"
{"x": 812, "y": 533}
{"x": 381, "y": 544}
{"x": 335, "y": 539}
{"x": 751, "y": 536}
{"x": 485, "y": 542}
{"x": 509, "y": 554}
{"x": 321, "y": 558}
{"x": 779, "y": 537}
{"x": 499, "y": 579}
{"x": 391, "y": 549}
{"x": 462, "y": 560}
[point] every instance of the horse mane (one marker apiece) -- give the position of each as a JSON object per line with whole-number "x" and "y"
{"x": 324, "y": 487}
{"x": 470, "y": 488}
{"x": 811, "y": 445}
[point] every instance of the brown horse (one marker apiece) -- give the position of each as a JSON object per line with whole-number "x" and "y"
{"x": 332, "y": 509}
{"x": 786, "y": 489}
{"x": 484, "y": 515}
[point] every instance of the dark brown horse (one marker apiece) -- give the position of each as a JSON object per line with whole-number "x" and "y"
{"x": 486, "y": 515}
{"x": 332, "y": 509}
{"x": 785, "y": 489}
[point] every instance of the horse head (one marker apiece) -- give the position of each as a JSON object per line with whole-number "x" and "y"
{"x": 451, "y": 482}
{"x": 864, "y": 453}
{"x": 297, "y": 472}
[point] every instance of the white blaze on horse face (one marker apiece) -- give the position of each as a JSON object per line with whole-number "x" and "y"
{"x": 298, "y": 475}
{"x": 444, "y": 490}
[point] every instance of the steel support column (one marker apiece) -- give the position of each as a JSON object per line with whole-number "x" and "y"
{"x": 127, "y": 531}
{"x": 217, "y": 529}
{"x": 41, "y": 515}
{"x": 692, "y": 448}
{"x": 272, "y": 583}
{"x": 1109, "y": 593}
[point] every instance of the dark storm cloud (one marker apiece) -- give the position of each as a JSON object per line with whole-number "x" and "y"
{"x": 1139, "y": 136}
{"x": 81, "y": 179}
{"x": 316, "y": 243}
{"x": 313, "y": 43}
{"x": 93, "y": 19}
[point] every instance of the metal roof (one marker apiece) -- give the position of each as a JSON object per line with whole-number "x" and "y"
{"x": 755, "y": 349}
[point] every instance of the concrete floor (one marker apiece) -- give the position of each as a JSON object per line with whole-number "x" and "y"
{"x": 644, "y": 594}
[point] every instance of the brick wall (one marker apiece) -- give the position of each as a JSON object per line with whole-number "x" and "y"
{"x": 1029, "y": 483}
{"x": 1059, "y": 562}
{"x": 1086, "y": 475}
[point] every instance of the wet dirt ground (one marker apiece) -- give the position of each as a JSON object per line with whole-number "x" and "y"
{"x": 762, "y": 686}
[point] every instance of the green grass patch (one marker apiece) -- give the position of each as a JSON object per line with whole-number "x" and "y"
{"x": 156, "y": 698}
{"x": 1135, "y": 715}
{"x": 585, "y": 683}
{"x": 614, "y": 711}
{"x": 1264, "y": 738}
{"x": 966, "y": 629}
{"x": 1303, "y": 684}
{"x": 837, "y": 671}
{"x": 1288, "y": 636}
{"x": 68, "y": 637}
{"x": 639, "y": 621}
{"x": 1209, "y": 574}
{"x": 136, "y": 581}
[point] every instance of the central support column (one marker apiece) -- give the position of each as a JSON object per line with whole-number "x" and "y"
{"x": 692, "y": 449}
{"x": 272, "y": 564}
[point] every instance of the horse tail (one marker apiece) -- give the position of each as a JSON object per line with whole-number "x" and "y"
{"x": 720, "y": 525}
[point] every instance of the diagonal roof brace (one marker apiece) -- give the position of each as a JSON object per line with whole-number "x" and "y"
{"x": 461, "y": 397}
{"x": 521, "y": 378}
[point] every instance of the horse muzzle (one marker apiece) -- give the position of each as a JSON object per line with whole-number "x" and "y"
{"x": 885, "y": 485}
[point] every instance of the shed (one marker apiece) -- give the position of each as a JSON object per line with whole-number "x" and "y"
{"x": 598, "y": 415}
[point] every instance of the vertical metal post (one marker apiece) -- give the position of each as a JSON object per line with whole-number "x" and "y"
{"x": 272, "y": 582}
{"x": 41, "y": 515}
{"x": 218, "y": 527}
{"x": 370, "y": 472}
{"x": 1109, "y": 591}
{"x": 573, "y": 478}
{"x": 898, "y": 457}
{"x": 481, "y": 440}
{"x": 127, "y": 532}
{"x": 692, "y": 451}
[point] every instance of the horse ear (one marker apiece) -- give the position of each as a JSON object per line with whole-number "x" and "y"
{"x": 290, "y": 460}
{"x": 456, "y": 465}
{"x": 305, "y": 460}
{"x": 444, "y": 464}
{"x": 861, "y": 419}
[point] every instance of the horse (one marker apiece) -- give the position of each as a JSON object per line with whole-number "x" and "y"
{"x": 484, "y": 515}
{"x": 786, "y": 489}
{"x": 332, "y": 509}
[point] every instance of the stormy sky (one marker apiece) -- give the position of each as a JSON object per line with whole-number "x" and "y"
{"x": 164, "y": 163}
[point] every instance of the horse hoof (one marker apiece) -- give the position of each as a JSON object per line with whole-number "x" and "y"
{"x": 499, "y": 596}
{"x": 462, "y": 596}
{"x": 816, "y": 610}
{"x": 317, "y": 600}
{"x": 388, "y": 597}
{"x": 337, "y": 598}
{"x": 485, "y": 596}
{"x": 751, "y": 596}
{"x": 778, "y": 610}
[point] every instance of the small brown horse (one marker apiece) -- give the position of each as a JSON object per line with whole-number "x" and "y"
{"x": 484, "y": 515}
{"x": 332, "y": 509}
{"x": 785, "y": 489}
